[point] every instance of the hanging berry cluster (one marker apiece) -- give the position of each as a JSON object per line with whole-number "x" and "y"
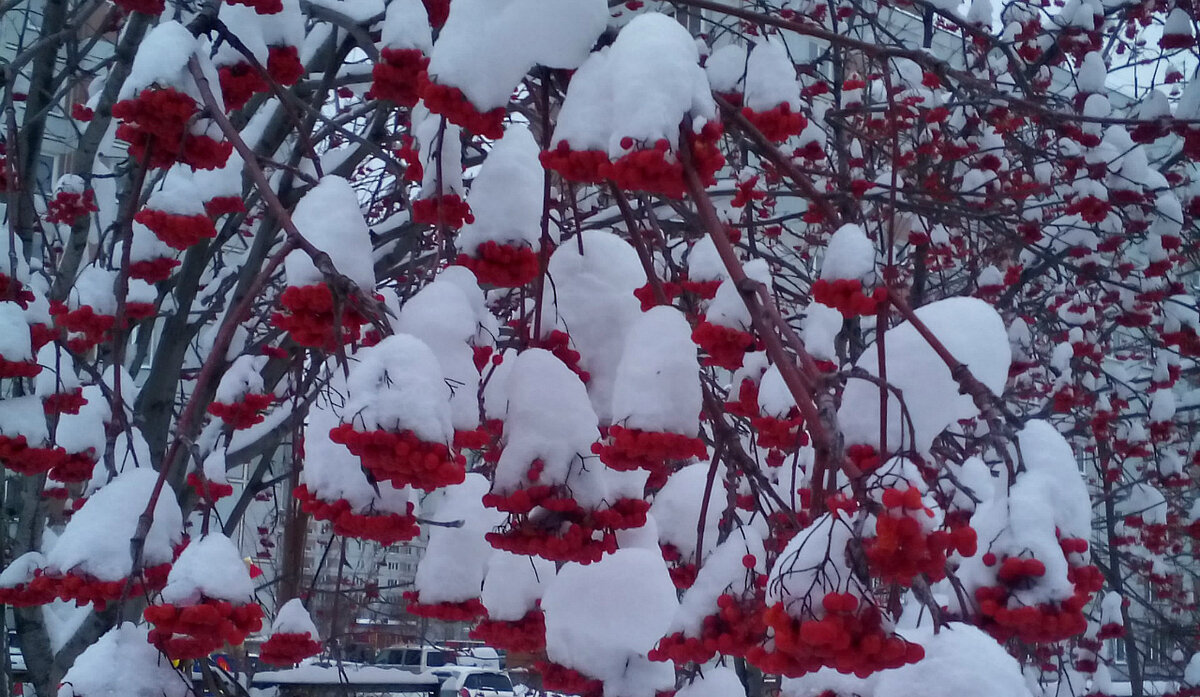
{"x": 847, "y": 295}
{"x": 526, "y": 635}
{"x": 736, "y": 628}
{"x": 288, "y": 648}
{"x": 385, "y": 528}
{"x": 244, "y": 413}
{"x": 309, "y": 316}
{"x": 466, "y": 611}
{"x": 502, "y": 265}
{"x": 901, "y": 549}
{"x": 195, "y": 631}
{"x": 155, "y": 124}
{"x": 397, "y": 76}
{"x": 630, "y": 449}
{"x": 402, "y": 458}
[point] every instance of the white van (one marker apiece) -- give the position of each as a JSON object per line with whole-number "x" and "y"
{"x": 415, "y": 659}
{"x": 465, "y": 681}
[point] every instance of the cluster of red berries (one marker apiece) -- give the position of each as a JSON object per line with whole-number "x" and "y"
{"x": 385, "y": 528}
{"x": 454, "y": 105}
{"x": 901, "y": 549}
{"x": 632, "y": 448}
{"x": 74, "y": 467}
{"x": 582, "y": 166}
{"x": 572, "y": 541}
{"x": 526, "y": 635}
{"x": 850, "y": 638}
{"x": 450, "y": 208}
{"x": 90, "y": 328}
{"x": 194, "y": 631}
{"x": 777, "y": 124}
{"x": 846, "y": 295}
{"x": 785, "y": 434}
{"x": 308, "y": 316}
{"x": 17, "y": 455}
{"x": 207, "y": 490}
{"x": 18, "y": 369}
{"x": 1047, "y": 622}
{"x": 153, "y": 270}
{"x": 864, "y": 457}
{"x": 84, "y": 588}
{"x": 175, "y": 230}
{"x": 68, "y": 206}
{"x": 736, "y": 628}
{"x": 657, "y": 170}
{"x": 11, "y": 289}
{"x": 476, "y": 439}
{"x": 68, "y": 402}
{"x": 560, "y": 678}
{"x": 288, "y": 648}
{"x": 155, "y": 124}
{"x": 522, "y": 501}
{"x": 146, "y": 7}
{"x": 502, "y": 265}
{"x": 27, "y": 594}
{"x": 243, "y": 413}
{"x": 726, "y": 347}
{"x": 465, "y": 611}
{"x": 645, "y": 294}
{"x": 397, "y": 76}
{"x": 240, "y": 82}
{"x": 746, "y": 404}
{"x": 683, "y": 574}
{"x": 283, "y": 64}
{"x": 438, "y": 11}
{"x": 262, "y": 7}
{"x": 558, "y": 342}
{"x": 402, "y": 458}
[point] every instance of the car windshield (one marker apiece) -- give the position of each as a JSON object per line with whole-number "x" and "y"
{"x": 494, "y": 682}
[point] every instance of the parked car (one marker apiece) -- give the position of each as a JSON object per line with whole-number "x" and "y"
{"x": 479, "y": 657}
{"x": 468, "y": 681}
{"x": 415, "y": 659}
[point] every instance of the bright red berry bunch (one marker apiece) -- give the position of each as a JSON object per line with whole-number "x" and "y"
{"x": 850, "y": 638}
{"x": 580, "y": 542}
{"x": 68, "y": 206}
{"x": 397, "y": 76}
{"x": 84, "y": 588}
{"x": 1046, "y": 622}
{"x": 288, "y": 648}
{"x": 558, "y": 342}
{"x": 89, "y": 327}
{"x": 147, "y": 7}
{"x": 18, "y": 369}
{"x": 785, "y": 434}
{"x": 262, "y": 7}
{"x": 846, "y": 295}
{"x": 656, "y": 169}
{"x": 726, "y": 347}
{"x": 309, "y": 317}
{"x": 560, "y": 678}
{"x": 175, "y": 230}
{"x": 901, "y": 548}
{"x": 155, "y": 124}
{"x": 502, "y": 265}
{"x": 239, "y": 82}
{"x": 454, "y": 105}
{"x": 194, "y": 631}
{"x": 74, "y": 467}
{"x": 736, "y": 628}
{"x": 207, "y": 490}
{"x": 777, "y": 124}
{"x": 452, "y": 210}
{"x": 402, "y": 458}
{"x": 526, "y": 635}
{"x": 17, "y": 455}
{"x": 153, "y": 270}
{"x": 584, "y": 166}
{"x": 465, "y": 611}
{"x": 385, "y": 528}
{"x": 283, "y": 64}
{"x": 243, "y": 413}
{"x": 68, "y": 402}
{"x": 632, "y": 448}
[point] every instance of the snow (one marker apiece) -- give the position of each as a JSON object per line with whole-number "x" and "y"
{"x": 1051, "y": 464}
{"x": 455, "y": 558}
{"x": 15, "y": 344}
{"x": 971, "y": 330}
{"x": 514, "y": 584}
{"x": 123, "y": 662}
{"x": 959, "y": 659}
{"x": 506, "y": 195}
{"x": 727, "y": 308}
{"x": 549, "y": 418}
{"x": 438, "y": 138}
{"x": 78, "y": 432}
{"x": 714, "y": 682}
{"x": 161, "y": 59}
{"x": 96, "y": 539}
{"x": 725, "y": 67}
{"x": 774, "y": 397}
{"x": 590, "y": 296}
{"x": 441, "y": 315}
{"x": 241, "y": 378}
{"x": 585, "y": 119}
{"x": 487, "y": 46}
{"x": 397, "y": 385}
{"x": 771, "y": 78}
{"x": 819, "y": 330}
{"x": 406, "y": 25}
{"x": 95, "y": 287}
{"x": 1191, "y": 674}
{"x": 850, "y": 254}
{"x": 630, "y": 602}
{"x": 676, "y": 508}
{"x": 292, "y": 618}
{"x": 329, "y": 217}
{"x": 819, "y": 682}
{"x": 210, "y": 567}
{"x": 813, "y": 564}
{"x": 214, "y": 467}
{"x": 657, "y": 386}
{"x": 704, "y": 262}
{"x": 21, "y": 570}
